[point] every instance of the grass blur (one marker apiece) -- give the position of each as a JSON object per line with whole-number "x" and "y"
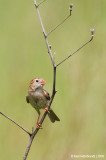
{"x": 81, "y": 80}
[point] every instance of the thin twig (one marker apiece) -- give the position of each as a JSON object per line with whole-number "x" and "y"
{"x": 45, "y": 36}
{"x": 58, "y": 25}
{"x": 16, "y": 123}
{"x": 41, "y": 2}
{"x": 75, "y": 52}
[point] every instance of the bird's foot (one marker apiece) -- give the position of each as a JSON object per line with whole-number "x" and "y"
{"x": 46, "y": 109}
{"x": 39, "y": 126}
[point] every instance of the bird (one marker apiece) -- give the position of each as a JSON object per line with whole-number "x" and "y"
{"x": 39, "y": 99}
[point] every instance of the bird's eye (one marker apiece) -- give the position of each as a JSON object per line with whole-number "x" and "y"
{"x": 37, "y": 80}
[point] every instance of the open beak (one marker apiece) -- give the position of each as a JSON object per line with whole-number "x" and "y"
{"x": 42, "y": 82}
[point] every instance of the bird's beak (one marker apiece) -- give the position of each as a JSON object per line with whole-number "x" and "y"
{"x": 42, "y": 82}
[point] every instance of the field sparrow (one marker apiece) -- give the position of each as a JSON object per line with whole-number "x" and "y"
{"x": 39, "y": 99}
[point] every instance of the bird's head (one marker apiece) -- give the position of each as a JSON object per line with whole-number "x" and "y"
{"x": 36, "y": 83}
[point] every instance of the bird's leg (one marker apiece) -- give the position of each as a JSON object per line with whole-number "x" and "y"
{"x": 38, "y": 124}
{"x": 46, "y": 109}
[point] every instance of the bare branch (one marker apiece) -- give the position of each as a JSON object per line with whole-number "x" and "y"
{"x": 15, "y": 123}
{"x": 45, "y": 36}
{"x": 75, "y": 52}
{"x": 29, "y": 146}
{"x": 40, "y": 17}
{"x": 41, "y": 2}
{"x": 71, "y": 5}
{"x": 58, "y": 25}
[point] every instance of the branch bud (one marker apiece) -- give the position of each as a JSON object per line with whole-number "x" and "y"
{"x": 92, "y": 32}
{"x": 71, "y": 6}
{"x": 50, "y": 47}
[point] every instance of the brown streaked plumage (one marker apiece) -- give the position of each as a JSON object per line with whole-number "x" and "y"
{"x": 39, "y": 99}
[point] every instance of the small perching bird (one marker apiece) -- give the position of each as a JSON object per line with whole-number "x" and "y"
{"x": 39, "y": 99}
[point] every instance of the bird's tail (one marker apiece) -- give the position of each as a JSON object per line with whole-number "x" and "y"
{"x": 53, "y": 117}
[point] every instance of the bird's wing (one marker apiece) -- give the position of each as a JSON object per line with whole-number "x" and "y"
{"x": 46, "y": 94}
{"x": 27, "y": 98}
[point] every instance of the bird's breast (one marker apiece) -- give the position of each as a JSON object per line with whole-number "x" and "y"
{"x": 38, "y": 100}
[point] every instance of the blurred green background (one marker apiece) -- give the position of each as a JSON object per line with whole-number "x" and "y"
{"x": 81, "y": 80}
